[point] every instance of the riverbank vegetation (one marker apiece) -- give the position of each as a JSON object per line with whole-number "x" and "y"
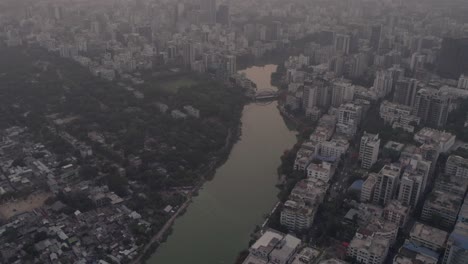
{"x": 141, "y": 153}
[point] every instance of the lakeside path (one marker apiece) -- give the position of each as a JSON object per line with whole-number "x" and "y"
{"x": 157, "y": 238}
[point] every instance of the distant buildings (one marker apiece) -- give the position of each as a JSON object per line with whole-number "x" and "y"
{"x": 463, "y": 82}
{"x": 342, "y": 43}
{"x": 405, "y": 92}
{"x": 342, "y": 92}
{"x": 452, "y": 60}
{"x": 432, "y": 107}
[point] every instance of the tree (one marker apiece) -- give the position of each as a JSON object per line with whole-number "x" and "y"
{"x": 88, "y": 172}
{"x": 117, "y": 184}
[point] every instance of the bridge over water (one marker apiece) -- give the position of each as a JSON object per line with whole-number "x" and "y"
{"x": 266, "y": 95}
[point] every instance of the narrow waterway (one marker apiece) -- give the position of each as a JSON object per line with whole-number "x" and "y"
{"x": 217, "y": 225}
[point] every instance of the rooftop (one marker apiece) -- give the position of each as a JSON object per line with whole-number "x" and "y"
{"x": 428, "y": 134}
{"x": 428, "y": 233}
{"x": 374, "y": 245}
{"x": 393, "y": 145}
{"x": 444, "y": 201}
{"x": 396, "y": 206}
{"x": 391, "y": 170}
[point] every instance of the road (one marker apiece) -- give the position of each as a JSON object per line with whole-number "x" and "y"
{"x": 341, "y": 179}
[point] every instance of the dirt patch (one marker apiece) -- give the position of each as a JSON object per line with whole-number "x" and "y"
{"x": 14, "y": 207}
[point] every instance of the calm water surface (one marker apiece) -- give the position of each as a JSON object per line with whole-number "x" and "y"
{"x": 217, "y": 225}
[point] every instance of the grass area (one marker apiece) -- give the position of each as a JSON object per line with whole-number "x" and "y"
{"x": 173, "y": 86}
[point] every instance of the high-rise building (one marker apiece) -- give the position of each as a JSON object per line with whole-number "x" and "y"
{"x": 342, "y": 92}
{"x": 456, "y": 251}
{"x": 369, "y": 150}
{"x": 432, "y": 107}
{"x": 376, "y": 37}
{"x": 223, "y": 16}
{"x": 358, "y": 65}
{"x": 230, "y": 65}
{"x": 296, "y": 215}
{"x": 349, "y": 118}
{"x": 188, "y": 54}
{"x": 208, "y": 9}
{"x": 368, "y": 188}
{"x": 463, "y": 82}
{"x": 274, "y": 30}
{"x": 396, "y": 213}
{"x": 443, "y": 206}
{"x": 457, "y": 167}
{"x": 324, "y": 95}
{"x": 410, "y": 188}
{"x": 417, "y": 61}
{"x": 405, "y": 92}
{"x": 428, "y": 236}
{"x": 342, "y": 43}
{"x": 383, "y": 83}
{"x": 309, "y": 98}
{"x": 368, "y": 249}
{"x": 453, "y": 58}
{"x": 387, "y": 183}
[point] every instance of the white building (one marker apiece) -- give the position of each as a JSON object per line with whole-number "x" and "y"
{"x": 367, "y": 249}
{"x": 393, "y": 113}
{"x": 349, "y": 118}
{"x": 192, "y": 111}
{"x": 456, "y": 251}
{"x": 342, "y": 92}
{"x": 428, "y": 236}
{"x": 273, "y": 247}
{"x": 177, "y": 114}
{"x": 383, "y": 83}
{"x": 463, "y": 82}
{"x": 396, "y": 212}
{"x": 297, "y": 215}
{"x": 442, "y": 204}
{"x": 368, "y": 187}
{"x": 457, "y": 166}
{"x": 323, "y": 171}
{"x": 303, "y": 159}
{"x": 334, "y": 148}
{"x": 369, "y": 150}
{"x": 442, "y": 139}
